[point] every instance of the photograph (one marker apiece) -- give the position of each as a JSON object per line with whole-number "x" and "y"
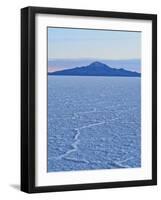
{"x": 89, "y": 99}
{"x": 93, "y": 99}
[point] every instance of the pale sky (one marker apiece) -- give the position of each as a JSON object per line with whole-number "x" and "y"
{"x": 68, "y": 43}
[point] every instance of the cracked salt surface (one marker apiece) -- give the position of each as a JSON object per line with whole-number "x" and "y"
{"x": 93, "y": 123}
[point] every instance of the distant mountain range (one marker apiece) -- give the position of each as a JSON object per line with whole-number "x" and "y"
{"x": 96, "y": 69}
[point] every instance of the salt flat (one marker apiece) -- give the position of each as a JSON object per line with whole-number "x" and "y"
{"x": 93, "y": 123}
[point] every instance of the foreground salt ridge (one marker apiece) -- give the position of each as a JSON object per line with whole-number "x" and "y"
{"x": 76, "y": 141}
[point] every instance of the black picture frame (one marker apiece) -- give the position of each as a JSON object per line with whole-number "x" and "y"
{"x": 28, "y": 98}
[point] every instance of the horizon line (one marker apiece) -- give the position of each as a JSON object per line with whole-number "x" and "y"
{"x": 66, "y": 69}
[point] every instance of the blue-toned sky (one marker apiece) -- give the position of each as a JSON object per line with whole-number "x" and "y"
{"x": 82, "y": 43}
{"x": 67, "y": 44}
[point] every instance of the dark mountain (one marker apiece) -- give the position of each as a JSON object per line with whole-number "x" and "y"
{"x": 96, "y": 69}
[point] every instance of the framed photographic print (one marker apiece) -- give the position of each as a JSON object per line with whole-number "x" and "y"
{"x": 88, "y": 99}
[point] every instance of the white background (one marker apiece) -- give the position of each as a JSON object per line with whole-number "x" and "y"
{"x": 10, "y": 99}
